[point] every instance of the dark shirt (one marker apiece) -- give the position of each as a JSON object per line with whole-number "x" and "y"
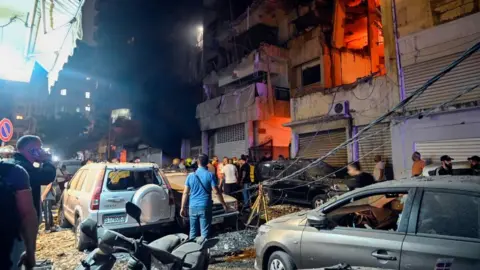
{"x": 476, "y": 169}
{"x": 39, "y": 177}
{"x": 17, "y": 179}
{"x": 443, "y": 171}
{"x": 245, "y": 173}
{"x": 364, "y": 179}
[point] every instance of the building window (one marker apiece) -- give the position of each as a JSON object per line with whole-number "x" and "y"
{"x": 231, "y": 134}
{"x": 282, "y": 93}
{"x": 87, "y": 94}
{"x": 87, "y": 108}
{"x": 63, "y": 92}
{"x": 62, "y": 109}
{"x": 78, "y": 109}
{"x": 311, "y": 73}
{"x": 19, "y": 117}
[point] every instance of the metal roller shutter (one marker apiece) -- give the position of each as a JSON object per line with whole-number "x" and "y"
{"x": 460, "y": 78}
{"x": 313, "y": 146}
{"x": 378, "y": 144}
{"x": 459, "y": 149}
{"x": 230, "y": 141}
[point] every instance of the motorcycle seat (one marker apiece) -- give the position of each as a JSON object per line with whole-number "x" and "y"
{"x": 194, "y": 256}
{"x": 168, "y": 242}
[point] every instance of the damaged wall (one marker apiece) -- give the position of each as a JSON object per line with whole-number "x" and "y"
{"x": 367, "y": 102}
{"x": 338, "y": 67}
{"x": 273, "y": 129}
{"x": 417, "y": 15}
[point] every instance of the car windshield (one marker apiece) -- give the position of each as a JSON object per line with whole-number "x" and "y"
{"x": 130, "y": 179}
{"x": 72, "y": 168}
{"x": 321, "y": 169}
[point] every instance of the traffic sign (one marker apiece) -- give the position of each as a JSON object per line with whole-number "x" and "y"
{"x": 6, "y": 130}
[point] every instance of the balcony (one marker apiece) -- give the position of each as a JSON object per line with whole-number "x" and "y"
{"x": 242, "y": 105}
{"x": 267, "y": 58}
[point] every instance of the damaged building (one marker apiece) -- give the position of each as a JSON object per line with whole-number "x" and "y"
{"x": 340, "y": 79}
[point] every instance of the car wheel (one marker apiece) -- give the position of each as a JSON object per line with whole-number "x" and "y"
{"x": 280, "y": 260}
{"x": 62, "y": 221}
{"x": 318, "y": 200}
{"x": 81, "y": 240}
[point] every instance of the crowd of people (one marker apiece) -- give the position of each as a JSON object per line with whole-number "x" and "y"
{"x": 446, "y": 166}
{"x": 233, "y": 175}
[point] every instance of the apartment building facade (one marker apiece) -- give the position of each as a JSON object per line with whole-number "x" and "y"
{"x": 246, "y": 84}
{"x": 342, "y": 75}
{"x": 431, "y": 35}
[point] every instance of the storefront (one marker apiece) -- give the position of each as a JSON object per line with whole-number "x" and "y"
{"x": 318, "y": 144}
{"x": 451, "y": 133}
{"x": 375, "y": 141}
{"x": 230, "y": 141}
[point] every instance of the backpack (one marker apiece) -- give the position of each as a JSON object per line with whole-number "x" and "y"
{"x": 10, "y": 223}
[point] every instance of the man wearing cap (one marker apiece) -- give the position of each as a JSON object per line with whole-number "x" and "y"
{"x": 475, "y": 164}
{"x": 446, "y": 168}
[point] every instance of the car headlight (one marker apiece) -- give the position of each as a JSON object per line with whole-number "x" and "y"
{"x": 263, "y": 229}
{"x": 233, "y": 205}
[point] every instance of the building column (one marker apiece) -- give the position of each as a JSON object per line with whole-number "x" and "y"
{"x": 249, "y": 136}
{"x": 204, "y": 142}
{"x": 294, "y": 145}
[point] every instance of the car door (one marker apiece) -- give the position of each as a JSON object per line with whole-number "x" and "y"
{"x": 69, "y": 196}
{"x": 444, "y": 231}
{"x": 354, "y": 245}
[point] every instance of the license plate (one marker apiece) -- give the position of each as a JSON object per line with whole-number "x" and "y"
{"x": 217, "y": 220}
{"x": 114, "y": 219}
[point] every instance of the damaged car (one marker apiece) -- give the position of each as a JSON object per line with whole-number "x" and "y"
{"x": 416, "y": 224}
{"x": 313, "y": 187}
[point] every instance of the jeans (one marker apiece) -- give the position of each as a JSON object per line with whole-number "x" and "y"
{"x": 47, "y": 214}
{"x": 200, "y": 217}
{"x": 246, "y": 195}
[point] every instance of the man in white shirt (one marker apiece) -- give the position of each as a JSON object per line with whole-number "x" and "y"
{"x": 230, "y": 175}
{"x": 379, "y": 170}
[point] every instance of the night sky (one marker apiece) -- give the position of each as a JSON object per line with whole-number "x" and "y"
{"x": 149, "y": 75}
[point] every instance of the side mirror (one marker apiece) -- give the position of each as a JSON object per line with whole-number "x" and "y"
{"x": 134, "y": 211}
{"x": 319, "y": 221}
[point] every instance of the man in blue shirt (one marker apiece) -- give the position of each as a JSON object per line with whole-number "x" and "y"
{"x": 198, "y": 195}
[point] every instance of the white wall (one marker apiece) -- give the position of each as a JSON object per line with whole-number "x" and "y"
{"x": 367, "y": 100}
{"x": 455, "y": 125}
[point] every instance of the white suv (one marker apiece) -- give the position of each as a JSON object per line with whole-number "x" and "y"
{"x": 99, "y": 191}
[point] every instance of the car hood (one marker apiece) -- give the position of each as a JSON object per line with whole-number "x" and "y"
{"x": 293, "y": 219}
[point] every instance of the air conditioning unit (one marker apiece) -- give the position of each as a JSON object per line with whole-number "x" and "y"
{"x": 340, "y": 108}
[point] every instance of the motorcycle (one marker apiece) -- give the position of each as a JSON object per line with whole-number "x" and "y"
{"x": 173, "y": 252}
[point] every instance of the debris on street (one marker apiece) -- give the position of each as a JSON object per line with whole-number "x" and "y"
{"x": 233, "y": 242}
{"x": 59, "y": 247}
{"x": 283, "y": 209}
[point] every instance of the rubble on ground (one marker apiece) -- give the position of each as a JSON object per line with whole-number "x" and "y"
{"x": 276, "y": 211}
{"x": 233, "y": 242}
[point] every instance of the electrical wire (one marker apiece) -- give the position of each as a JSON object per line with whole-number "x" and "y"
{"x": 400, "y": 105}
{"x": 383, "y": 117}
{"x": 367, "y": 154}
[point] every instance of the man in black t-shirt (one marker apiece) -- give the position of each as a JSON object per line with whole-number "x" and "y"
{"x": 245, "y": 181}
{"x": 14, "y": 179}
{"x": 362, "y": 179}
{"x": 447, "y": 167}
